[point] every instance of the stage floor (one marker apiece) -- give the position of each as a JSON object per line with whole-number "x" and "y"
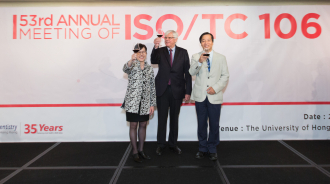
{"x": 111, "y": 162}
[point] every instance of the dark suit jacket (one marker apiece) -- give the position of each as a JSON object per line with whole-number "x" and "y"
{"x": 179, "y": 72}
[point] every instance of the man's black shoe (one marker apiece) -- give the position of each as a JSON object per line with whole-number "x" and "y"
{"x": 200, "y": 155}
{"x": 159, "y": 150}
{"x": 176, "y": 149}
{"x": 213, "y": 156}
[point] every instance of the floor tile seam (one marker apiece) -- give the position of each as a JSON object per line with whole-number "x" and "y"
{"x": 266, "y": 166}
{"x": 28, "y": 163}
{"x": 158, "y": 166}
{"x": 41, "y": 154}
{"x": 69, "y": 167}
{"x": 121, "y": 164}
{"x": 305, "y": 158}
{"x": 166, "y": 167}
{"x": 222, "y": 172}
{"x": 219, "y": 173}
{"x": 126, "y": 152}
{"x": 10, "y": 176}
{"x": 297, "y": 153}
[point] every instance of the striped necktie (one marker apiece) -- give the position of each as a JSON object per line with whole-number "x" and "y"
{"x": 208, "y": 64}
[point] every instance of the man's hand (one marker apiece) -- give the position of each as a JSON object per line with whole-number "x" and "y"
{"x": 202, "y": 58}
{"x": 187, "y": 98}
{"x": 152, "y": 109}
{"x": 157, "y": 42}
{"x": 210, "y": 91}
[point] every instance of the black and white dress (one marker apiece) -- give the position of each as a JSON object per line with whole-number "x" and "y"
{"x": 140, "y": 93}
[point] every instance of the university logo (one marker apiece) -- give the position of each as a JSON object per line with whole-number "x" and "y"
{"x": 8, "y": 129}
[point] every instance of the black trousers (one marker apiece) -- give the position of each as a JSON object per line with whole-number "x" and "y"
{"x": 163, "y": 103}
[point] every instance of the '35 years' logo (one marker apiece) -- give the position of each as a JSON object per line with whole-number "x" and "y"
{"x": 41, "y": 129}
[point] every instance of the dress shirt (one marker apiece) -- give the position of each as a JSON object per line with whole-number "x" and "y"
{"x": 173, "y": 52}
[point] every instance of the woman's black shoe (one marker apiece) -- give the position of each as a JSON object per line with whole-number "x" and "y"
{"x": 143, "y": 155}
{"x": 137, "y": 158}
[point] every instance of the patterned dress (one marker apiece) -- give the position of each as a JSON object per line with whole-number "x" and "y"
{"x": 140, "y": 93}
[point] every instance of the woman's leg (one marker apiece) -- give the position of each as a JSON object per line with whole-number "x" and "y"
{"x": 142, "y": 134}
{"x": 133, "y": 136}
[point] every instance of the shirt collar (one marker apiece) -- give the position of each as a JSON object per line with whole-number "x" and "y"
{"x": 211, "y": 54}
{"x": 172, "y": 49}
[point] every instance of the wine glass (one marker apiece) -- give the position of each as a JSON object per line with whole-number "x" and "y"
{"x": 205, "y": 52}
{"x": 136, "y": 49}
{"x": 160, "y": 34}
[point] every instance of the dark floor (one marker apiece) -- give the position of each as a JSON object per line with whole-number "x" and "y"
{"x": 111, "y": 162}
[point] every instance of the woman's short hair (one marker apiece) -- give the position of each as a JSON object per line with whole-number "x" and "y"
{"x": 141, "y": 46}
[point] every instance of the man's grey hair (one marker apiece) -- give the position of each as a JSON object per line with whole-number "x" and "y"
{"x": 175, "y": 34}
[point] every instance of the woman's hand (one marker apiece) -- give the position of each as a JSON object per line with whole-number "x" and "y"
{"x": 131, "y": 61}
{"x": 152, "y": 109}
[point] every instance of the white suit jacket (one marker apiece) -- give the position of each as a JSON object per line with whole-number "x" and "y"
{"x": 217, "y": 78}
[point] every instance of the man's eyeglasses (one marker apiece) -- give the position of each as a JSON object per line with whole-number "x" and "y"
{"x": 170, "y": 38}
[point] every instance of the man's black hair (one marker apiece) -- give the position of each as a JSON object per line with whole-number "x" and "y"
{"x": 206, "y": 33}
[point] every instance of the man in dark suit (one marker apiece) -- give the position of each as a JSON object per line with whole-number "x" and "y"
{"x": 173, "y": 83}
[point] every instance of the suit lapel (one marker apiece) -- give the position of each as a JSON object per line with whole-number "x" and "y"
{"x": 214, "y": 65}
{"x": 176, "y": 55}
{"x": 167, "y": 55}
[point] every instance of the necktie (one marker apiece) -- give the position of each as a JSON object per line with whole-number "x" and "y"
{"x": 169, "y": 82}
{"x": 208, "y": 64}
{"x": 171, "y": 57}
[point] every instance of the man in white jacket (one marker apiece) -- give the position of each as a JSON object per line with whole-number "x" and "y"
{"x": 212, "y": 76}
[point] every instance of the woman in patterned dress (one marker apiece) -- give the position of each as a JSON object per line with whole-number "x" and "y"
{"x": 140, "y": 99}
